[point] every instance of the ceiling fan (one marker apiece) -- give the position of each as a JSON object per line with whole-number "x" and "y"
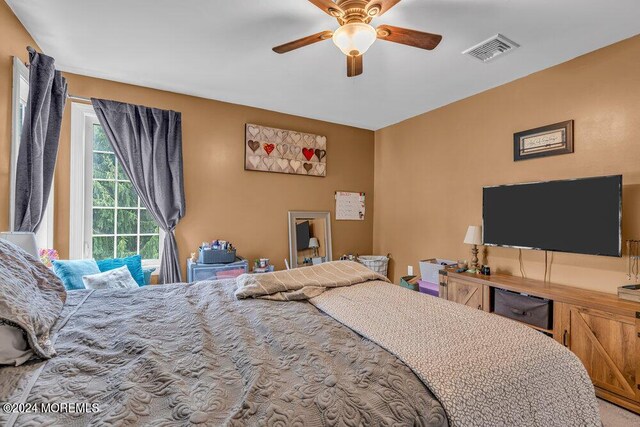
{"x": 355, "y": 35}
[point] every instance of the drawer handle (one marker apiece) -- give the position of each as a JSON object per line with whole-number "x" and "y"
{"x": 518, "y": 312}
{"x": 564, "y": 338}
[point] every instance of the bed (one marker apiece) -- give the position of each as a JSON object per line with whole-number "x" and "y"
{"x": 204, "y": 354}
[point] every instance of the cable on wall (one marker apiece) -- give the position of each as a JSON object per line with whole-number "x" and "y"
{"x": 522, "y": 273}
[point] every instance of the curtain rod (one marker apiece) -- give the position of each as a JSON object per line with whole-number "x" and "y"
{"x": 69, "y": 96}
{"x": 79, "y": 98}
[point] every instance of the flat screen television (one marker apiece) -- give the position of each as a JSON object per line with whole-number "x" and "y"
{"x": 579, "y": 215}
{"x": 303, "y": 234}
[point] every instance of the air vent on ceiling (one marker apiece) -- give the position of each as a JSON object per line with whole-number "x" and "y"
{"x": 491, "y": 48}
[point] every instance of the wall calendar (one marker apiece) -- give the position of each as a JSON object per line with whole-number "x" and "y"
{"x": 349, "y": 206}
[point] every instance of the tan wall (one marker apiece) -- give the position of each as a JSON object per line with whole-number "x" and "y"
{"x": 223, "y": 200}
{"x": 13, "y": 42}
{"x": 430, "y": 169}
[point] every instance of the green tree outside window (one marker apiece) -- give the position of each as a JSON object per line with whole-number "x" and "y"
{"x": 121, "y": 225}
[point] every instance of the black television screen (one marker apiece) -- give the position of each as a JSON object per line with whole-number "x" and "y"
{"x": 579, "y": 216}
{"x": 303, "y": 234}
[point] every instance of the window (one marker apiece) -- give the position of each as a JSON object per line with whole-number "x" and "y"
{"x": 107, "y": 217}
{"x": 44, "y": 236}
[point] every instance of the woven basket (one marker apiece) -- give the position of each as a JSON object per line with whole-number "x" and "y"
{"x": 377, "y": 263}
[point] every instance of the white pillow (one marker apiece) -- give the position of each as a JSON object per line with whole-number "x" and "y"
{"x": 14, "y": 348}
{"x": 118, "y": 278}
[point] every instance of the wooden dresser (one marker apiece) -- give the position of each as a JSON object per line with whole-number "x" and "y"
{"x": 600, "y": 328}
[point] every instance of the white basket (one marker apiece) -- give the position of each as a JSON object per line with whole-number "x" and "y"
{"x": 377, "y": 263}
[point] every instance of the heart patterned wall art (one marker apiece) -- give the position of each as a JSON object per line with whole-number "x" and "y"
{"x": 284, "y": 151}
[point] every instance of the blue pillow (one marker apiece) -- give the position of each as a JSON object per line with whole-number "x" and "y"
{"x": 134, "y": 263}
{"x": 147, "y": 274}
{"x": 71, "y": 271}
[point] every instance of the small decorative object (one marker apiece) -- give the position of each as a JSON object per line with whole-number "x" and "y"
{"x": 550, "y": 140}
{"x": 486, "y": 270}
{"x": 284, "y": 151}
{"x": 631, "y": 292}
{"x": 314, "y": 244}
{"x": 349, "y": 257}
{"x": 194, "y": 256}
{"x": 47, "y": 256}
{"x": 262, "y": 265}
{"x": 633, "y": 250}
{"x": 349, "y": 206}
{"x": 474, "y": 237}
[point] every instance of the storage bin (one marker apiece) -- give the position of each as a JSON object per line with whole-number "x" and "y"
{"x": 197, "y": 272}
{"x": 376, "y": 263}
{"x": 525, "y": 308}
{"x": 409, "y": 282}
{"x": 216, "y": 256}
{"x": 429, "y": 288}
{"x": 430, "y": 268}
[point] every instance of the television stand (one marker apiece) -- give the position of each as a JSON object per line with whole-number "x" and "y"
{"x": 600, "y": 328}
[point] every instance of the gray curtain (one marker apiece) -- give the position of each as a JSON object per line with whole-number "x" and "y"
{"x": 148, "y": 144}
{"x": 39, "y": 141}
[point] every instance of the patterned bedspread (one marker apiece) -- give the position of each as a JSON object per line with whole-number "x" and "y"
{"x": 484, "y": 369}
{"x": 194, "y": 354}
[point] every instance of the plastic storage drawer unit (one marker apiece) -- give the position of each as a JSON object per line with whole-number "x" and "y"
{"x": 197, "y": 272}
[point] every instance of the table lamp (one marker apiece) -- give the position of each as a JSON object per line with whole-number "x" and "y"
{"x": 24, "y": 240}
{"x": 313, "y": 243}
{"x": 474, "y": 237}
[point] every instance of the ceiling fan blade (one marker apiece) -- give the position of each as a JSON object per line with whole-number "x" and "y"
{"x": 329, "y": 7}
{"x": 378, "y": 7}
{"x": 305, "y": 41}
{"x": 354, "y": 65}
{"x": 409, "y": 37}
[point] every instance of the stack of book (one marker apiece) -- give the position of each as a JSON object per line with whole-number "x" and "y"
{"x": 629, "y": 292}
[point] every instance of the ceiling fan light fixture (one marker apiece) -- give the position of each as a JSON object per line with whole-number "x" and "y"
{"x": 354, "y": 38}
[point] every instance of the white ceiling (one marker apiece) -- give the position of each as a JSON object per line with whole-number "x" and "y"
{"x": 221, "y": 49}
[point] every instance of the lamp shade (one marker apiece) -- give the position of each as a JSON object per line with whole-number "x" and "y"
{"x": 24, "y": 240}
{"x": 313, "y": 242}
{"x": 354, "y": 38}
{"x": 474, "y": 235}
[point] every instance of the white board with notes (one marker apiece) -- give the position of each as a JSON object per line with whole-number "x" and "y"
{"x": 349, "y": 206}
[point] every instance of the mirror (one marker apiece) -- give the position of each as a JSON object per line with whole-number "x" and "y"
{"x": 309, "y": 238}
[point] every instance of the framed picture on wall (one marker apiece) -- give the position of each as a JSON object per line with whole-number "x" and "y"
{"x": 550, "y": 140}
{"x": 284, "y": 151}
